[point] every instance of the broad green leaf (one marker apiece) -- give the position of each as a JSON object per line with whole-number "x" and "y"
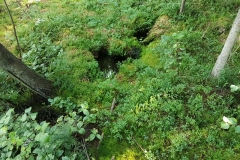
{"x": 50, "y": 156}
{"x": 81, "y": 131}
{"x": 3, "y": 130}
{"x": 73, "y": 114}
{"x": 24, "y": 117}
{"x": 234, "y": 88}
{"x": 73, "y": 129}
{"x": 42, "y": 137}
{"x": 8, "y": 154}
{"x": 80, "y": 124}
{"x": 37, "y": 151}
{"x": 33, "y": 116}
{"x": 28, "y": 110}
{"x": 84, "y": 106}
{"x": 29, "y": 148}
{"x": 31, "y": 157}
{"x": 36, "y": 126}
{"x": 94, "y": 131}
{"x": 5, "y": 143}
{"x": 60, "y": 119}
{"x": 65, "y": 158}
{"x": 27, "y": 133}
{"x": 44, "y": 125}
{"x": 7, "y": 119}
{"x": 224, "y": 125}
{"x": 225, "y": 119}
{"x": 52, "y": 129}
{"x": 50, "y": 100}
{"x": 9, "y": 112}
{"x": 59, "y": 152}
{"x": 85, "y": 118}
{"x": 12, "y": 135}
{"x": 3, "y": 119}
{"x": 99, "y": 136}
{"x": 91, "y": 137}
{"x": 19, "y": 142}
{"x": 232, "y": 121}
{"x": 86, "y": 112}
{"x": 237, "y": 129}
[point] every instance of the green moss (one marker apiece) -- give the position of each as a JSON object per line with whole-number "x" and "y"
{"x": 149, "y": 57}
{"x": 121, "y": 150}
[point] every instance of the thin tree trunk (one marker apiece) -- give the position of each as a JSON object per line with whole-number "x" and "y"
{"x": 17, "y": 69}
{"x": 182, "y": 6}
{"x": 223, "y": 57}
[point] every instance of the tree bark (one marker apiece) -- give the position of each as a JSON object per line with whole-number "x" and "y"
{"x": 28, "y": 77}
{"x": 223, "y": 57}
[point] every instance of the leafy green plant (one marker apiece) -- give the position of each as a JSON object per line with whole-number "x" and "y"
{"x": 234, "y": 88}
{"x": 227, "y": 122}
{"x": 166, "y": 98}
{"x": 23, "y": 137}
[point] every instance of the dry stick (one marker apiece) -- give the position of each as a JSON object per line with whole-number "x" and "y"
{"x": 113, "y": 104}
{"x": 14, "y": 29}
{"x": 85, "y": 149}
{"x": 138, "y": 144}
{"x": 182, "y": 6}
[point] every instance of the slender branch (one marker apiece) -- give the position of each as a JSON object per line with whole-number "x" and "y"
{"x": 138, "y": 144}
{"x": 182, "y": 6}
{"x": 113, "y": 104}
{"x": 14, "y": 29}
{"x": 85, "y": 149}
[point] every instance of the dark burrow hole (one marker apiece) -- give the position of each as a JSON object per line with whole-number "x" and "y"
{"x": 141, "y": 34}
{"x": 109, "y": 65}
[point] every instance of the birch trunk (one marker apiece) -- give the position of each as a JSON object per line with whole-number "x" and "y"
{"x": 223, "y": 57}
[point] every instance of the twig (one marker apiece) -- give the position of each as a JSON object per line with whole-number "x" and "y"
{"x": 113, "y": 104}
{"x": 14, "y": 29}
{"x": 113, "y": 157}
{"x": 85, "y": 149}
{"x": 138, "y": 144}
{"x": 182, "y": 6}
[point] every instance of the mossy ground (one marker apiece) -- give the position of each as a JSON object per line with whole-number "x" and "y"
{"x": 165, "y": 100}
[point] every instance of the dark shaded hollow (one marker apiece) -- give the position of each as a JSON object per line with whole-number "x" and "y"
{"x": 141, "y": 34}
{"x": 108, "y": 63}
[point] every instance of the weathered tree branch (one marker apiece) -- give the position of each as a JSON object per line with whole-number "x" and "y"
{"x": 17, "y": 69}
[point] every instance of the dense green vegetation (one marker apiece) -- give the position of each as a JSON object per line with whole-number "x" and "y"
{"x": 161, "y": 104}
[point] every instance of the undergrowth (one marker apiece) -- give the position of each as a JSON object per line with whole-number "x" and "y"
{"x": 162, "y": 104}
